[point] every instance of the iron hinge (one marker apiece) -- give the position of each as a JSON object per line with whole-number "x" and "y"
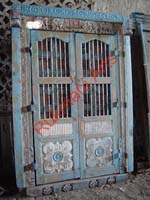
{"x": 126, "y": 155}
{"x": 29, "y": 108}
{"x": 124, "y": 104}
{"x": 115, "y": 104}
{"x": 30, "y": 167}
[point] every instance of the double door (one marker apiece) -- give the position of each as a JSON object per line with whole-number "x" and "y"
{"x": 76, "y": 95}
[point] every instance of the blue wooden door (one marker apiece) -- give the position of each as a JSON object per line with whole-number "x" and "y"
{"x": 55, "y": 116}
{"x": 76, "y": 112}
{"x": 97, "y": 73}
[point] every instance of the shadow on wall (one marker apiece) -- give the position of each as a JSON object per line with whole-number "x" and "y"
{"x": 140, "y": 106}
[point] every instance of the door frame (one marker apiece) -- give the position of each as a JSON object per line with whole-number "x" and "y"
{"x": 83, "y": 21}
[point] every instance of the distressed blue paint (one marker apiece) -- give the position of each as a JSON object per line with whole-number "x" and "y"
{"x": 45, "y": 11}
{"x": 41, "y": 176}
{"x": 74, "y": 108}
{"x": 129, "y": 100}
{"x": 119, "y": 125}
{"x": 86, "y": 171}
{"x": 17, "y": 104}
{"x": 116, "y": 111}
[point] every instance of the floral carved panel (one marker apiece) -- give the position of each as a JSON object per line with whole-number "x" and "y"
{"x": 99, "y": 152}
{"x": 57, "y": 157}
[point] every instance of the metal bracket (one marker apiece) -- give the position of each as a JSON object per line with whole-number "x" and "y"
{"x": 125, "y": 155}
{"x": 115, "y": 104}
{"x": 29, "y": 108}
{"x": 124, "y": 104}
{"x": 29, "y": 167}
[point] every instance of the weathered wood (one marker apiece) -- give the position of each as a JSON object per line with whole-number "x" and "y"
{"x": 75, "y": 185}
{"x": 129, "y": 109}
{"x": 50, "y": 71}
{"x": 17, "y": 104}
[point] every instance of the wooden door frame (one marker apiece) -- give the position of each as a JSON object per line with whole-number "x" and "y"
{"x": 67, "y": 20}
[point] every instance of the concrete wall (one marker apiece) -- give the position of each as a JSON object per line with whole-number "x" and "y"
{"x": 123, "y": 6}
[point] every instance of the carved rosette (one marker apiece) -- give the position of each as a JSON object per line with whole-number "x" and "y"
{"x": 90, "y": 27}
{"x": 57, "y": 157}
{"x": 99, "y": 152}
{"x": 58, "y": 24}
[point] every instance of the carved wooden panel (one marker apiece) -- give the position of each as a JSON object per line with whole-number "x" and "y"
{"x": 57, "y": 157}
{"x": 57, "y": 130}
{"x": 98, "y": 127}
{"x": 59, "y": 24}
{"x": 99, "y": 152}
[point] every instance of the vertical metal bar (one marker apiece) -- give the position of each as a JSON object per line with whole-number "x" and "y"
{"x": 41, "y": 101}
{"x": 103, "y": 99}
{"x": 89, "y": 58}
{"x": 93, "y": 58}
{"x": 106, "y": 64}
{"x": 66, "y": 89}
{"x": 56, "y": 68}
{"x": 101, "y": 63}
{"x": 69, "y": 97}
{"x": 95, "y": 99}
{"x": 42, "y": 59}
{"x": 49, "y": 108}
{"x": 109, "y": 93}
{"x": 99, "y": 102}
{"x": 58, "y": 101}
{"x": 91, "y": 100}
{"x": 98, "y": 54}
{"x": 87, "y": 101}
{"x": 61, "y": 101}
{"x": 47, "y": 56}
{"x": 51, "y": 100}
{"x": 55, "y": 97}
{"x": 83, "y": 60}
{"x": 88, "y": 68}
{"x": 52, "y": 58}
{"x": 86, "y": 72}
{"x": 44, "y": 99}
{"x": 107, "y": 99}
{"x": 60, "y": 56}
{"x": 65, "y": 60}
{"x": 53, "y": 103}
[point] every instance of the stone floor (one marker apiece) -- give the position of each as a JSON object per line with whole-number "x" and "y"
{"x": 135, "y": 188}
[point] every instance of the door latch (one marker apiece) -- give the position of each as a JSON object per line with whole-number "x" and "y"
{"x": 28, "y": 108}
